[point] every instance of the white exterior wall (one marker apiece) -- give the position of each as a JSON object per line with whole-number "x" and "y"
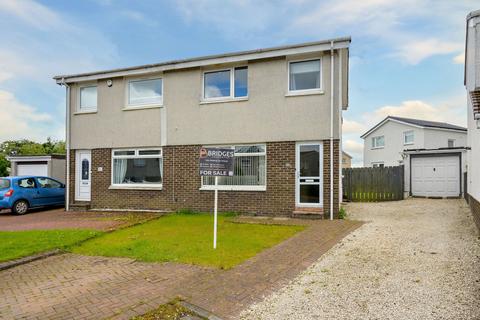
{"x": 435, "y": 138}
{"x": 472, "y": 73}
{"x": 424, "y": 138}
{"x": 390, "y": 155}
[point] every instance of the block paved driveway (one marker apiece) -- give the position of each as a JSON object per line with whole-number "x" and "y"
{"x": 72, "y": 286}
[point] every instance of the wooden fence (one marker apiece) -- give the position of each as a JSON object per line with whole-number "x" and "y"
{"x": 373, "y": 184}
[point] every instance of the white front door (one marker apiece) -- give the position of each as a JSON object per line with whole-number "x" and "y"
{"x": 83, "y": 175}
{"x": 436, "y": 176}
{"x": 309, "y": 174}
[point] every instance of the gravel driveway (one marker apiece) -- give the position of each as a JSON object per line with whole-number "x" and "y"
{"x": 415, "y": 259}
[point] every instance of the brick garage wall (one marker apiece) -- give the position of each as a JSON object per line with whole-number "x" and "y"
{"x": 475, "y": 207}
{"x": 181, "y": 162}
{"x": 326, "y": 177}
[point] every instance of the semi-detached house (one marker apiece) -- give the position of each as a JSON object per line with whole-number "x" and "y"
{"x": 134, "y": 134}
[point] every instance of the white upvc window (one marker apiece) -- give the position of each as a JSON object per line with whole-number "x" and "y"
{"x": 249, "y": 173}
{"x": 142, "y": 168}
{"x": 451, "y": 143}
{"x": 305, "y": 76}
{"x": 378, "y": 142}
{"x": 378, "y": 164}
{"x": 144, "y": 92}
{"x": 408, "y": 137}
{"x": 225, "y": 84}
{"x": 87, "y": 98}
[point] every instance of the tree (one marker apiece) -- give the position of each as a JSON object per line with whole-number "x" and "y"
{"x": 27, "y": 148}
{"x": 4, "y": 165}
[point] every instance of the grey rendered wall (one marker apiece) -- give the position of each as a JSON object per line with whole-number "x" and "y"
{"x": 57, "y": 169}
{"x": 268, "y": 115}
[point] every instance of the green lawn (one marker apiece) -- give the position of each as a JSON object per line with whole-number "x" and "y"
{"x": 188, "y": 238}
{"x": 18, "y": 244}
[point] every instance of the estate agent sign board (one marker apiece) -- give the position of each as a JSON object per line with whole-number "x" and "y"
{"x": 216, "y": 162}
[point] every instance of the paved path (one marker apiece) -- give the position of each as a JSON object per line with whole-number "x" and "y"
{"x": 415, "y": 259}
{"x": 78, "y": 287}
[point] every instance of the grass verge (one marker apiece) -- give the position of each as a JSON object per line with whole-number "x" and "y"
{"x": 19, "y": 244}
{"x": 188, "y": 238}
{"x": 172, "y": 311}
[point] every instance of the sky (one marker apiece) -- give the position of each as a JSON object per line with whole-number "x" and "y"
{"x": 406, "y": 57}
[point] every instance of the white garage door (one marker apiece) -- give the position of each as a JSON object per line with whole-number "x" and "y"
{"x": 436, "y": 176}
{"x": 32, "y": 170}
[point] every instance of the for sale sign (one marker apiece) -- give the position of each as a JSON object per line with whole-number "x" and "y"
{"x": 216, "y": 161}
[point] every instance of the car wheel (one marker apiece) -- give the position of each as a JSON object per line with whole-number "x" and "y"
{"x": 20, "y": 207}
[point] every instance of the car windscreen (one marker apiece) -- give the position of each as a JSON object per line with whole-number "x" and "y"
{"x": 4, "y": 183}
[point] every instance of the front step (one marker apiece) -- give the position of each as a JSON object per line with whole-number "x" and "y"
{"x": 79, "y": 206}
{"x": 307, "y": 213}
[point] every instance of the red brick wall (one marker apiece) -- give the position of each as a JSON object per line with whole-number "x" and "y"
{"x": 183, "y": 192}
{"x": 326, "y": 177}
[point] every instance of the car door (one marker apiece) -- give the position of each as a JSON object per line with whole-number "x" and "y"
{"x": 51, "y": 191}
{"x": 27, "y": 188}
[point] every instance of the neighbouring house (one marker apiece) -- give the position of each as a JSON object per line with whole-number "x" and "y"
{"x": 346, "y": 160}
{"x": 433, "y": 153}
{"x": 385, "y": 142}
{"x": 134, "y": 134}
{"x": 472, "y": 84}
{"x": 53, "y": 166}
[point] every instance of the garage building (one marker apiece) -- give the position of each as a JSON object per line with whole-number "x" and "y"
{"x": 43, "y": 165}
{"x": 435, "y": 172}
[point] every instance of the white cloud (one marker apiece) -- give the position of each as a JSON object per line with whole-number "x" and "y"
{"x": 460, "y": 58}
{"x": 353, "y": 147}
{"x": 349, "y": 126}
{"x": 408, "y": 29}
{"x": 21, "y": 121}
{"x": 415, "y": 51}
{"x": 447, "y": 111}
{"x": 39, "y": 44}
{"x": 31, "y": 12}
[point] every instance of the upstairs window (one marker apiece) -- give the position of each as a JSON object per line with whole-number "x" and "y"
{"x": 88, "y": 98}
{"x": 304, "y": 75}
{"x": 408, "y": 137}
{"x": 225, "y": 84}
{"x": 145, "y": 92}
{"x": 378, "y": 142}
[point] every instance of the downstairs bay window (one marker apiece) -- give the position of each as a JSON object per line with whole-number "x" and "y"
{"x": 249, "y": 174}
{"x": 137, "y": 168}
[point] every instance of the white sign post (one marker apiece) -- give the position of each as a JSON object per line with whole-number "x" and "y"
{"x": 216, "y": 162}
{"x": 215, "y": 214}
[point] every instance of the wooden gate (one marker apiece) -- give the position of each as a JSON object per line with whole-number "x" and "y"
{"x": 373, "y": 184}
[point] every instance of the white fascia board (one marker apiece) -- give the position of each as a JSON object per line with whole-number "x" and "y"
{"x": 203, "y": 62}
{"x": 29, "y": 159}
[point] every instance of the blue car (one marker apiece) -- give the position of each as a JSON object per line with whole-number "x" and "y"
{"x": 22, "y": 193}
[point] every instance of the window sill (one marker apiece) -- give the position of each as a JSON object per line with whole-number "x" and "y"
{"x": 224, "y": 100}
{"x": 234, "y": 188}
{"x": 375, "y": 148}
{"x": 408, "y": 144}
{"x": 140, "y": 107}
{"x": 85, "y": 112}
{"x": 304, "y": 93}
{"x": 113, "y": 187}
